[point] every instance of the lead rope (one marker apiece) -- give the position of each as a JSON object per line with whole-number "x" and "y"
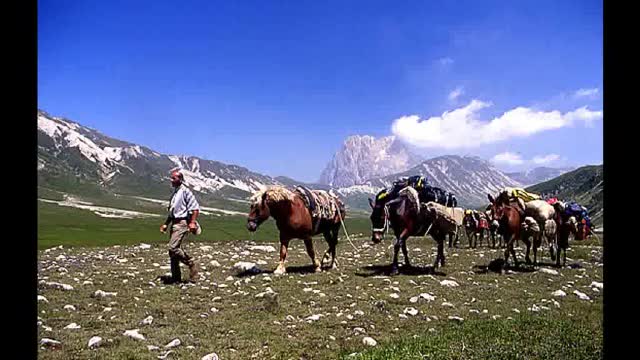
{"x": 344, "y": 227}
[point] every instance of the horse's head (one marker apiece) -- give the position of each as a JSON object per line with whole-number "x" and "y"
{"x": 258, "y": 213}
{"x": 468, "y": 219}
{"x": 496, "y": 206}
{"x": 379, "y": 216}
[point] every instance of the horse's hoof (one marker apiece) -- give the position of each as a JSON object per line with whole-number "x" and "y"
{"x": 394, "y": 271}
{"x": 280, "y": 270}
{"x": 318, "y": 269}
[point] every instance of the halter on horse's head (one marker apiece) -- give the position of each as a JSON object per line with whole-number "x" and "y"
{"x": 379, "y": 216}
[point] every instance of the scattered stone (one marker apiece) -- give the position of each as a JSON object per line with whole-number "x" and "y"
{"x": 134, "y": 334}
{"x": 449, "y": 283}
{"x": 94, "y": 342}
{"x": 369, "y": 341}
{"x": 173, "y": 343}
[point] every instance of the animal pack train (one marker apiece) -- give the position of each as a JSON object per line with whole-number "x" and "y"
{"x": 412, "y": 207}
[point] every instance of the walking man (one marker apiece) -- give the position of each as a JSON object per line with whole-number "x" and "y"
{"x": 183, "y": 212}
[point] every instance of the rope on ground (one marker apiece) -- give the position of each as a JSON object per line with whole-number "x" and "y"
{"x": 345, "y": 231}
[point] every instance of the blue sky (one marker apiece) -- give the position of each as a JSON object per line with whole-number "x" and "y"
{"x": 276, "y": 86}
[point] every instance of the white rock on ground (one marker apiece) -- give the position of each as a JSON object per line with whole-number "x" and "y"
{"x": 315, "y": 317}
{"x": 369, "y": 341}
{"x": 212, "y": 356}
{"x": 134, "y": 334}
{"x": 449, "y": 283}
{"x": 411, "y": 311}
{"x": 144, "y": 246}
{"x": 246, "y": 266}
{"x": 50, "y": 342}
{"x": 42, "y": 298}
{"x": 267, "y": 248}
{"x": 94, "y": 342}
{"x": 559, "y": 293}
{"x": 214, "y": 263}
{"x": 72, "y": 326}
{"x": 152, "y": 347}
{"x": 597, "y": 285}
{"x": 581, "y": 295}
{"x": 548, "y": 271}
{"x": 425, "y": 296}
{"x": 147, "y": 321}
{"x": 394, "y": 296}
{"x": 69, "y": 308}
{"x": 173, "y": 343}
{"x": 102, "y": 294}
{"x": 456, "y": 318}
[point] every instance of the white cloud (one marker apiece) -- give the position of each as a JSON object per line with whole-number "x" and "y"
{"x": 586, "y": 93}
{"x": 508, "y": 158}
{"x": 547, "y": 159}
{"x": 456, "y": 93}
{"x": 461, "y": 128}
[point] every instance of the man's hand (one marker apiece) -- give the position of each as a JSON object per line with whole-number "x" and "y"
{"x": 193, "y": 227}
{"x": 163, "y": 228}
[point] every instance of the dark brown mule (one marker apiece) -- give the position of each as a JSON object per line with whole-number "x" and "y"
{"x": 509, "y": 220}
{"x": 294, "y": 220}
{"x": 404, "y": 217}
{"x": 567, "y": 226}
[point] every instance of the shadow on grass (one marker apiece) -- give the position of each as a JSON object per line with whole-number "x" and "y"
{"x": 375, "y": 270}
{"x": 301, "y": 269}
{"x": 497, "y": 265}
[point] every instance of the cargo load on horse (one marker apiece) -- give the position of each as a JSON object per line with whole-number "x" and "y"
{"x": 426, "y": 192}
{"x": 573, "y": 209}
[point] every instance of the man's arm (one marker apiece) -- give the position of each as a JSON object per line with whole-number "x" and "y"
{"x": 163, "y": 227}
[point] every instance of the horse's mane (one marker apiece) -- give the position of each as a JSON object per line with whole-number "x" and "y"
{"x": 273, "y": 193}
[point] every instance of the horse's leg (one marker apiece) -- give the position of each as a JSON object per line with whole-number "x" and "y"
{"x": 327, "y": 237}
{"x": 553, "y": 249}
{"x": 440, "y": 256}
{"x": 527, "y": 243}
{"x": 284, "y": 243}
{"x": 513, "y": 251}
{"x": 536, "y": 244}
{"x": 506, "y": 252}
{"x": 406, "y": 254}
{"x": 308, "y": 243}
{"x": 396, "y": 247}
{"x": 332, "y": 247}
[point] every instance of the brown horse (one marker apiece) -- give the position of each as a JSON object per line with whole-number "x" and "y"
{"x": 509, "y": 220}
{"x": 406, "y": 218}
{"x": 294, "y": 219}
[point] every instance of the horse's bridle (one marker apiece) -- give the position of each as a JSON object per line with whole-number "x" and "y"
{"x": 385, "y": 228}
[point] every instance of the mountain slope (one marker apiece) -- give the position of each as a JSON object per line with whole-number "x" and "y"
{"x": 76, "y": 159}
{"x": 584, "y": 185}
{"x": 365, "y": 157}
{"x": 537, "y": 175}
